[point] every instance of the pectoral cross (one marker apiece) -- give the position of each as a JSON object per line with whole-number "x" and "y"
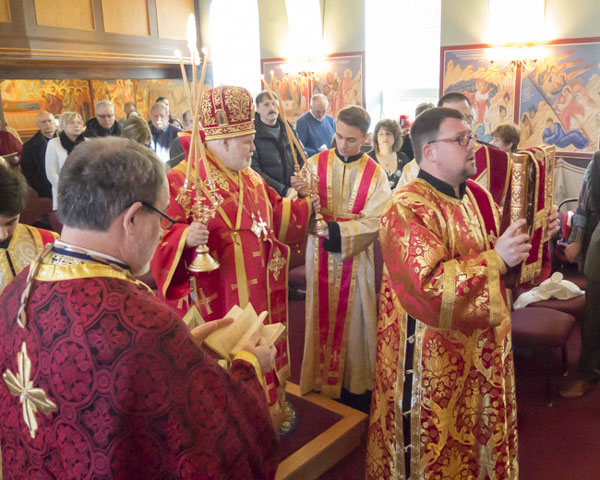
{"x": 259, "y": 228}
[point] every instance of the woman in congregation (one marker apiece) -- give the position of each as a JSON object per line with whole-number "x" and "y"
{"x": 387, "y": 141}
{"x": 19, "y": 244}
{"x": 70, "y": 134}
{"x": 137, "y": 129}
{"x": 506, "y": 136}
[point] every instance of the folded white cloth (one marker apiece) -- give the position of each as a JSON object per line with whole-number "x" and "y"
{"x": 554, "y": 287}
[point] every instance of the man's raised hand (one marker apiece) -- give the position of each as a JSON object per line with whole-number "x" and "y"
{"x": 512, "y": 246}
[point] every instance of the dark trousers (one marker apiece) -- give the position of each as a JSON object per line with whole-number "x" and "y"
{"x": 589, "y": 359}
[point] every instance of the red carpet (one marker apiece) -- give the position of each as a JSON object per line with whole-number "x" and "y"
{"x": 560, "y": 442}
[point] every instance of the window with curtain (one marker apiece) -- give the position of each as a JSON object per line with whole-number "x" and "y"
{"x": 235, "y": 43}
{"x": 402, "y": 56}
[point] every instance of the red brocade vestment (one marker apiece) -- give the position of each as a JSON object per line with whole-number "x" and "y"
{"x": 253, "y": 267}
{"x": 441, "y": 270}
{"x": 133, "y": 396}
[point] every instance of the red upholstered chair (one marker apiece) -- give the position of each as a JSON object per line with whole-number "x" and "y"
{"x": 543, "y": 328}
{"x": 572, "y": 306}
{"x": 35, "y": 207}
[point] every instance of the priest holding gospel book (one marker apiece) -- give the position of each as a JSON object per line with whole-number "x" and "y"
{"x": 100, "y": 379}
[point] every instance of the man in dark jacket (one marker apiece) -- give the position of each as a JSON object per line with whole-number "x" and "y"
{"x": 33, "y": 157}
{"x": 163, "y": 132}
{"x": 273, "y": 158}
{"x": 103, "y": 124}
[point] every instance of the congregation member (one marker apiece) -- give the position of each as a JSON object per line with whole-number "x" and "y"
{"x": 128, "y": 108}
{"x": 70, "y": 134}
{"x": 444, "y": 402}
{"x": 19, "y": 243}
{"x": 188, "y": 120}
{"x": 248, "y": 234}
{"x": 272, "y": 158}
{"x": 316, "y": 127}
{"x": 100, "y": 378}
{"x": 33, "y": 157}
{"x": 165, "y": 101}
{"x": 341, "y": 318}
{"x": 137, "y": 129}
{"x": 163, "y": 133}
{"x": 406, "y": 148}
{"x": 584, "y": 248}
{"x": 506, "y": 136}
{"x": 103, "y": 124}
{"x": 387, "y": 140}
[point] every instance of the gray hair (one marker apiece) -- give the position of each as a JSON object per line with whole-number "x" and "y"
{"x": 160, "y": 106}
{"x": 103, "y": 103}
{"x": 421, "y": 107}
{"x": 67, "y": 117}
{"x": 319, "y": 96}
{"x": 104, "y": 176}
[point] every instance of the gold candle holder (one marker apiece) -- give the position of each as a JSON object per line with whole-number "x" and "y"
{"x": 200, "y": 212}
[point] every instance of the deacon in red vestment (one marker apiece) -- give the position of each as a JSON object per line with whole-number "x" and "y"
{"x": 100, "y": 378}
{"x": 444, "y": 401}
{"x": 246, "y": 236}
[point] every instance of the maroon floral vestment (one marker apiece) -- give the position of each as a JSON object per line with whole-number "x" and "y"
{"x": 134, "y": 396}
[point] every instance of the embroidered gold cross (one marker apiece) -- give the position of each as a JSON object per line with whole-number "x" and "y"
{"x": 276, "y": 264}
{"x": 336, "y": 357}
{"x": 204, "y": 300}
{"x": 33, "y": 399}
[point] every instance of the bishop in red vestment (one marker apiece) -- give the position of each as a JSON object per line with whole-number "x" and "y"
{"x": 247, "y": 236}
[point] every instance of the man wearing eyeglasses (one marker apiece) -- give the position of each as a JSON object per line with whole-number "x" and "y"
{"x": 444, "y": 391}
{"x": 103, "y": 124}
{"x": 492, "y": 166}
{"x": 100, "y": 378}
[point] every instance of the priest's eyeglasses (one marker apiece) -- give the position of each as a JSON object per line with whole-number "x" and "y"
{"x": 171, "y": 220}
{"x": 462, "y": 140}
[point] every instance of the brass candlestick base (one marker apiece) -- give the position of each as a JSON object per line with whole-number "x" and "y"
{"x": 320, "y": 224}
{"x": 203, "y": 262}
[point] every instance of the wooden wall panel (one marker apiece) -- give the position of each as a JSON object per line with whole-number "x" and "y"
{"x": 4, "y": 11}
{"x": 75, "y": 14}
{"x": 172, "y": 17}
{"x": 128, "y": 17}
